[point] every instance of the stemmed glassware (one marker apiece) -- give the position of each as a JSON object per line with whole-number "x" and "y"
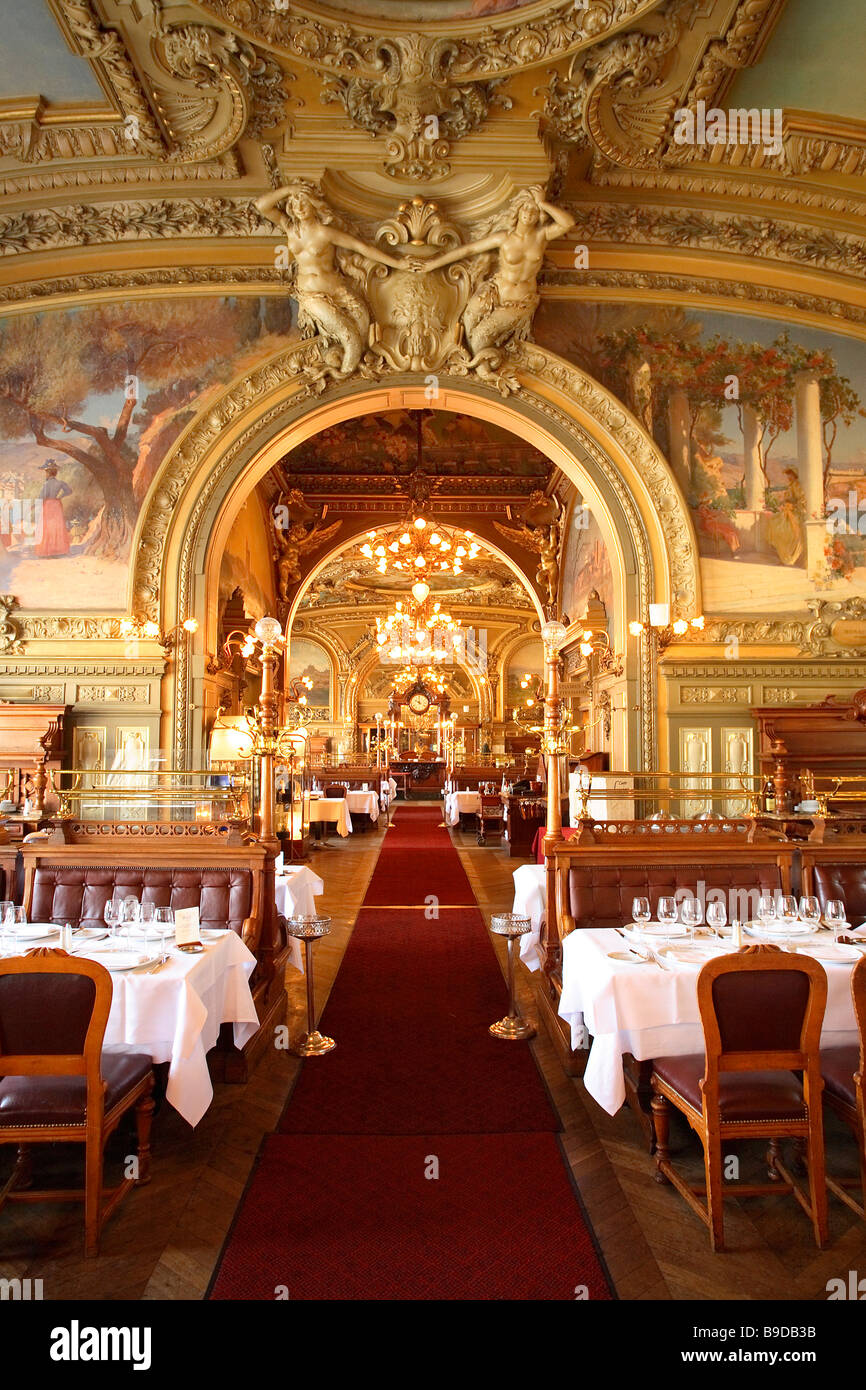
{"x": 810, "y": 911}
{"x": 835, "y": 916}
{"x": 7, "y": 927}
{"x": 667, "y": 911}
{"x": 691, "y": 914}
{"x": 789, "y": 912}
{"x": 111, "y": 913}
{"x": 767, "y": 909}
{"x": 641, "y": 912}
{"x": 163, "y": 918}
{"x": 717, "y": 917}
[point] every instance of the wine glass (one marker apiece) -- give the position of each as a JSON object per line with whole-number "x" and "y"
{"x": 7, "y": 927}
{"x": 111, "y": 913}
{"x": 667, "y": 911}
{"x": 163, "y": 918}
{"x": 691, "y": 914}
{"x": 767, "y": 909}
{"x": 717, "y": 917}
{"x": 810, "y": 911}
{"x": 641, "y": 912}
{"x": 788, "y": 914}
{"x": 835, "y": 916}
{"x": 146, "y": 911}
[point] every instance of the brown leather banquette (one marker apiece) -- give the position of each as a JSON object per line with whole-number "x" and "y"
{"x": 837, "y": 871}
{"x": 601, "y": 896}
{"x": 77, "y": 893}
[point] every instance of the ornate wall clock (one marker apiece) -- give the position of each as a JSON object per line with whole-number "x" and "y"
{"x": 418, "y": 702}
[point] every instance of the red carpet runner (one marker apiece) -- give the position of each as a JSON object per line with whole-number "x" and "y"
{"x": 343, "y": 1204}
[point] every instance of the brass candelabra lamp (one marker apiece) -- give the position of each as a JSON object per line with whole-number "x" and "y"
{"x": 267, "y": 739}
{"x": 661, "y": 630}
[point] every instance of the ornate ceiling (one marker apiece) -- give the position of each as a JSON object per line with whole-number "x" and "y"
{"x": 133, "y": 173}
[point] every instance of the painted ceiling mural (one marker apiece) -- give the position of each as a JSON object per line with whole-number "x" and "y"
{"x": 91, "y": 400}
{"x": 765, "y": 428}
{"x": 309, "y": 659}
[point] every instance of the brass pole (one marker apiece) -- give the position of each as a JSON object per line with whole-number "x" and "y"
{"x": 551, "y": 747}
{"x": 268, "y": 723}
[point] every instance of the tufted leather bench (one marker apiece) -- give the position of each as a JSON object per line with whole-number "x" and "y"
{"x": 837, "y": 871}
{"x": 601, "y": 895}
{"x": 77, "y": 893}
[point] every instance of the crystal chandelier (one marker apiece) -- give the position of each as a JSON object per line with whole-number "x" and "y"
{"x": 418, "y": 546}
{"x": 415, "y": 675}
{"x": 413, "y": 631}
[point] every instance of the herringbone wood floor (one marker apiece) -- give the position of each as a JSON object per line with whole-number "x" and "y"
{"x": 165, "y": 1240}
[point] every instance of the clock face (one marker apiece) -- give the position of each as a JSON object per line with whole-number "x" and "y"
{"x": 418, "y": 703}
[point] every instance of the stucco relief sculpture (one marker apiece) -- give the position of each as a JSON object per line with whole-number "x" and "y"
{"x": 297, "y": 531}
{"x": 432, "y": 312}
{"x": 540, "y": 531}
{"x": 327, "y": 302}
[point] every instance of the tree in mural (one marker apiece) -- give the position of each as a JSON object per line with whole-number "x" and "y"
{"x": 144, "y": 356}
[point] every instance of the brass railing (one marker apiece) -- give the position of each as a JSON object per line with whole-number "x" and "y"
{"x": 165, "y": 793}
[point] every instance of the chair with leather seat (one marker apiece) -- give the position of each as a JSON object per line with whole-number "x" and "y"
{"x": 335, "y": 792}
{"x": 842, "y": 1069}
{"x": 58, "y": 1084}
{"x": 761, "y": 1010}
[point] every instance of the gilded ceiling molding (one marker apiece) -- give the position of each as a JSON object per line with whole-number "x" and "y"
{"x": 415, "y": 106}
{"x": 692, "y": 288}
{"x": 492, "y": 46}
{"x": 36, "y": 229}
{"x": 736, "y": 50}
{"x": 816, "y": 636}
{"x": 105, "y": 48}
{"x": 101, "y": 284}
{"x": 619, "y": 96}
{"x": 115, "y": 175}
{"x": 757, "y": 237}
{"x": 725, "y": 181}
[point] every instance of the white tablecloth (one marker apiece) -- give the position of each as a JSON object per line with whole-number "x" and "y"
{"x": 176, "y": 1014}
{"x": 364, "y": 803}
{"x": 651, "y": 1012}
{"x": 296, "y": 890}
{"x": 529, "y": 901}
{"x": 332, "y": 808}
{"x": 459, "y": 804}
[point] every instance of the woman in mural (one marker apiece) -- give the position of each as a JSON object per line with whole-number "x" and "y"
{"x": 55, "y": 536}
{"x": 787, "y": 530}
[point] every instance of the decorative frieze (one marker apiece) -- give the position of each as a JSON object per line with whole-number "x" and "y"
{"x": 112, "y": 695}
{"x": 715, "y": 694}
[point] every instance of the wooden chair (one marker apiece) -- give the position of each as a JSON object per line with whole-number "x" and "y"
{"x": 842, "y": 1069}
{"x": 761, "y": 1011}
{"x": 336, "y": 792}
{"x": 491, "y": 820}
{"x": 58, "y": 1085}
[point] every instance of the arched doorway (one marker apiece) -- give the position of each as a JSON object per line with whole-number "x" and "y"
{"x": 580, "y": 427}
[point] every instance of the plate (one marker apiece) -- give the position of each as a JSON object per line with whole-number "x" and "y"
{"x": 771, "y": 933}
{"x": 120, "y": 960}
{"x": 628, "y": 958}
{"x": 148, "y": 933}
{"x": 691, "y": 955}
{"x": 833, "y": 951}
{"x": 88, "y": 934}
{"x": 36, "y": 931}
{"x": 654, "y": 930}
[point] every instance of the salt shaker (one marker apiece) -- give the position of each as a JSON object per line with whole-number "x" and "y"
{"x": 737, "y": 935}
{"x": 66, "y": 937}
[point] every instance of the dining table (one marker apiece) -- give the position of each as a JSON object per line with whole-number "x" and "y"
{"x": 174, "y": 1013}
{"x": 364, "y": 803}
{"x": 459, "y": 804}
{"x": 296, "y": 888}
{"x": 332, "y": 809}
{"x": 618, "y": 1004}
{"x": 530, "y": 887}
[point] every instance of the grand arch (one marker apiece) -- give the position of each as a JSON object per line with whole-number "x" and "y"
{"x": 263, "y": 415}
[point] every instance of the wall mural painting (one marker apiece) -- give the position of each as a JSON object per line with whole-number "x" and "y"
{"x": 309, "y": 659}
{"x": 526, "y": 660}
{"x": 91, "y": 400}
{"x": 765, "y": 430}
{"x": 585, "y": 566}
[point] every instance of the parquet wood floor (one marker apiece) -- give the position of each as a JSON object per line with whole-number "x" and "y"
{"x": 165, "y": 1240}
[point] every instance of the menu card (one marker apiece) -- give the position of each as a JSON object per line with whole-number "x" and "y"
{"x": 186, "y": 926}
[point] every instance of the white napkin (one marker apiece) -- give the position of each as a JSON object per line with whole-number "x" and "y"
{"x": 278, "y": 863}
